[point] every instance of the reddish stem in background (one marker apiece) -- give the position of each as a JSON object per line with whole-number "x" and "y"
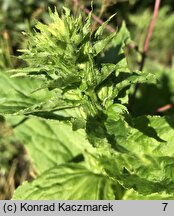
{"x": 145, "y": 48}
{"x": 168, "y": 106}
{"x": 96, "y": 18}
{"x": 165, "y": 108}
{"x": 151, "y": 26}
{"x": 150, "y": 31}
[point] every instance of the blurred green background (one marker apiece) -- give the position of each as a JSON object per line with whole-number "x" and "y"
{"x": 17, "y": 16}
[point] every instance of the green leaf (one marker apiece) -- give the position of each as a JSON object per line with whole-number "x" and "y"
{"x": 128, "y": 79}
{"x": 123, "y": 38}
{"x": 67, "y": 182}
{"x": 101, "y": 44}
{"x": 133, "y": 195}
{"x": 116, "y": 111}
{"x": 16, "y": 94}
{"x": 144, "y": 155}
{"x": 100, "y": 30}
{"x": 50, "y": 142}
{"x": 106, "y": 71}
{"x": 114, "y": 52}
{"x": 23, "y": 96}
{"x": 133, "y": 78}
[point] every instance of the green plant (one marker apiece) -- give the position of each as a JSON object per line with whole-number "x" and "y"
{"x": 74, "y": 91}
{"x": 24, "y": 15}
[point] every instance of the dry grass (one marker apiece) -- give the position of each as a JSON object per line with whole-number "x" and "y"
{"x": 20, "y": 170}
{"x": 15, "y": 164}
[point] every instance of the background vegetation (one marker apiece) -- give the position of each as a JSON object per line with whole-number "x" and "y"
{"x": 17, "y": 16}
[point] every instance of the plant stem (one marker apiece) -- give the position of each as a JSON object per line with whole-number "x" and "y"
{"x": 151, "y": 26}
{"x": 145, "y": 48}
{"x": 165, "y": 108}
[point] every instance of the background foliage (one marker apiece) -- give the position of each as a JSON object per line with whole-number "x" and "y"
{"x": 21, "y": 138}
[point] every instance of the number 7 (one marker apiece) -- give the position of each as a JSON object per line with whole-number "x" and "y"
{"x": 165, "y": 205}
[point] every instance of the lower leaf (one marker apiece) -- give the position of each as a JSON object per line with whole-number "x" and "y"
{"x": 67, "y": 182}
